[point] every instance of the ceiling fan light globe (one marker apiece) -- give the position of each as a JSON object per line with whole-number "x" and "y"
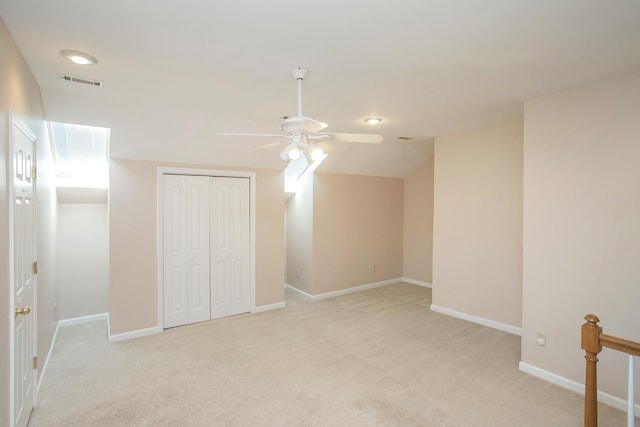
{"x": 312, "y": 152}
{"x": 294, "y": 153}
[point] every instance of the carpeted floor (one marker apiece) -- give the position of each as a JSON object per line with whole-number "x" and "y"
{"x": 373, "y": 358}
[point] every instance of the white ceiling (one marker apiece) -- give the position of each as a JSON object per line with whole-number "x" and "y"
{"x": 177, "y": 72}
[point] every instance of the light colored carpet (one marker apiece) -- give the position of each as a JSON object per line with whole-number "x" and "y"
{"x": 374, "y": 358}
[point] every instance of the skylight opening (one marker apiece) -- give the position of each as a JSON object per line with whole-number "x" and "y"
{"x": 81, "y": 155}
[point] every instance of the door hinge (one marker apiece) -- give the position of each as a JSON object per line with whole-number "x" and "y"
{"x": 35, "y": 362}
{"x": 35, "y": 267}
{"x": 34, "y": 172}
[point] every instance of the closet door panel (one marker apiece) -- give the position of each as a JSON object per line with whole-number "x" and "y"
{"x": 199, "y": 308}
{"x": 175, "y": 277}
{"x": 186, "y": 250}
{"x": 230, "y": 246}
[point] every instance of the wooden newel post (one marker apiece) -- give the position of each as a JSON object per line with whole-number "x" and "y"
{"x": 591, "y": 345}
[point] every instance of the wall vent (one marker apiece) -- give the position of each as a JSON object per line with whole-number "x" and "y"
{"x": 81, "y": 80}
{"x": 404, "y": 138}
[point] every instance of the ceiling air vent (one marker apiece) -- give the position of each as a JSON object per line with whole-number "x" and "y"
{"x": 404, "y": 138}
{"x": 81, "y": 80}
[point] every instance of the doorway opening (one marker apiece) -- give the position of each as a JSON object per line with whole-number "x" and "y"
{"x": 81, "y": 160}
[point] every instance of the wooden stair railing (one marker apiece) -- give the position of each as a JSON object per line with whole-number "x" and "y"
{"x": 592, "y": 342}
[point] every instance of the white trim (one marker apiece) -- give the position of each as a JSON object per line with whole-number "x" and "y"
{"x": 134, "y": 334}
{"x": 416, "y": 282}
{"x": 268, "y": 307}
{"x": 108, "y": 326}
{"x": 159, "y": 252}
{"x": 356, "y": 289}
{"x": 46, "y": 361}
{"x": 479, "y": 320}
{"x": 345, "y": 291}
{"x": 83, "y": 319}
{"x": 67, "y": 322}
{"x": 36, "y": 373}
{"x": 12, "y": 284}
{"x": 300, "y": 291}
{"x": 631, "y": 411}
{"x": 574, "y": 386}
{"x": 166, "y": 170}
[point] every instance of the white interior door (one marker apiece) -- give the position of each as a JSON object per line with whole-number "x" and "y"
{"x": 23, "y": 274}
{"x": 186, "y": 249}
{"x": 230, "y": 247}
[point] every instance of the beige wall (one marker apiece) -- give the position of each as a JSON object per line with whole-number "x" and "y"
{"x": 418, "y": 223}
{"x": 270, "y": 237}
{"x": 133, "y": 246}
{"x": 83, "y": 259}
{"x": 300, "y": 236}
{"x": 477, "y": 224}
{"x": 20, "y": 94}
{"x": 582, "y": 225}
{"x": 357, "y": 224}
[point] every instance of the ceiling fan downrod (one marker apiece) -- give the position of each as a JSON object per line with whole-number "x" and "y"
{"x": 299, "y": 74}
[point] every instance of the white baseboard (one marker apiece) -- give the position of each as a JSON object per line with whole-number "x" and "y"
{"x": 356, "y": 289}
{"x": 275, "y": 306}
{"x": 83, "y": 319}
{"x": 300, "y": 291}
{"x": 479, "y": 320}
{"x": 65, "y": 322}
{"x": 576, "y": 387}
{"x": 134, "y": 334}
{"x": 344, "y": 291}
{"x": 416, "y": 282}
{"x": 157, "y": 329}
{"x": 46, "y": 361}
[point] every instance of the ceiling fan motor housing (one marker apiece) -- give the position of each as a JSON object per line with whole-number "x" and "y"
{"x": 302, "y": 125}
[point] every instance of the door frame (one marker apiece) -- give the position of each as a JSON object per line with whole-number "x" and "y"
{"x": 14, "y": 121}
{"x": 166, "y": 170}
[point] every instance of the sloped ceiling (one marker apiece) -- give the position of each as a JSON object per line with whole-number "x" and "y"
{"x": 175, "y": 73}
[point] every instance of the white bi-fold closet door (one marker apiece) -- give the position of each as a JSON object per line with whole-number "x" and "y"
{"x": 206, "y": 244}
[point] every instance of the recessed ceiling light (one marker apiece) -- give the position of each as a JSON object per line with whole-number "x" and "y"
{"x": 80, "y": 58}
{"x": 373, "y": 120}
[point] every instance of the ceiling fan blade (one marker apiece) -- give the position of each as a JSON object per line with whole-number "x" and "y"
{"x": 326, "y": 148}
{"x": 250, "y": 134}
{"x": 367, "y": 138}
{"x": 262, "y": 147}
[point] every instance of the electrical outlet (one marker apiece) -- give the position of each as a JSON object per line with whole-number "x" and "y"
{"x": 374, "y": 268}
{"x": 541, "y": 338}
{"x": 297, "y": 274}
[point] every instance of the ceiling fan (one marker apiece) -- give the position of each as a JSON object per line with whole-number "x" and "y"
{"x": 303, "y": 135}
